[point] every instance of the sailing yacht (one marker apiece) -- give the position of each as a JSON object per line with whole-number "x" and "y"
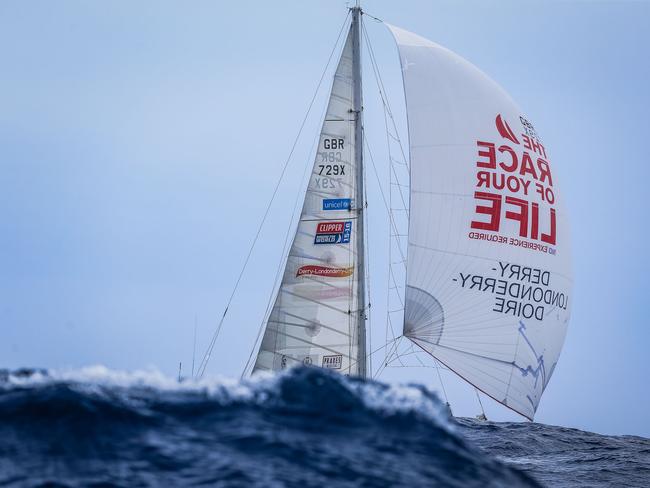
{"x": 488, "y": 262}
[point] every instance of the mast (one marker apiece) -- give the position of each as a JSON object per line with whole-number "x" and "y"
{"x": 360, "y": 202}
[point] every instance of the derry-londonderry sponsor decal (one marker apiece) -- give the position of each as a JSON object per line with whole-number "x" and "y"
{"x": 514, "y": 183}
{"x": 326, "y": 271}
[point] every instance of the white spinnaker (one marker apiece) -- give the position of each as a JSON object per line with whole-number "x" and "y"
{"x": 314, "y": 319}
{"x": 488, "y": 280}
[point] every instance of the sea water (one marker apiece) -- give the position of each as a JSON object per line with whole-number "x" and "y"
{"x": 306, "y": 427}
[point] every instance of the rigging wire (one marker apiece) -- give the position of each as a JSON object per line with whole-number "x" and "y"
{"x": 387, "y": 111}
{"x": 383, "y": 196}
{"x": 206, "y": 358}
{"x": 366, "y": 220}
{"x": 440, "y": 378}
{"x": 484, "y": 417}
{"x": 389, "y": 343}
{"x": 386, "y": 205}
{"x": 382, "y": 92}
{"x": 372, "y": 17}
{"x": 395, "y": 345}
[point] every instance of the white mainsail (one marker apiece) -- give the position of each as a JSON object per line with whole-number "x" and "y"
{"x": 489, "y": 266}
{"x": 317, "y": 317}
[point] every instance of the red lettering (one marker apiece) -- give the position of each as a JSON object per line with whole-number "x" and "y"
{"x": 513, "y": 155}
{"x": 534, "y": 226}
{"x": 544, "y": 171}
{"x": 498, "y": 181}
{"x": 490, "y": 154}
{"x": 527, "y": 166}
{"x": 325, "y": 227}
{"x": 534, "y": 145}
{"x": 483, "y": 177}
{"x": 494, "y": 211}
{"x": 526, "y": 213}
{"x": 521, "y": 216}
{"x": 550, "y": 238}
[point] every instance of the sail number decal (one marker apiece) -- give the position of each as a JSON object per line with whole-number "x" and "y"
{"x": 333, "y": 143}
{"x": 326, "y": 183}
{"x": 333, "y": 232}
{"x": 331, "y": 169}
{"x": 332, "y": 156}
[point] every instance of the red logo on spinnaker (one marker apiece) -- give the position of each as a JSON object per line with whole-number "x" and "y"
{"x": 505, "y": 130}
{"x": 327, "y": 271}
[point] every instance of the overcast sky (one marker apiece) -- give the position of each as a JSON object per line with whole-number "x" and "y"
{"x": 140, "y": 143}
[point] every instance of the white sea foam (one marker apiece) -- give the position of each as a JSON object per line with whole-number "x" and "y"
{"x": 386, "y": 399}
{"x": 400, "y": 398}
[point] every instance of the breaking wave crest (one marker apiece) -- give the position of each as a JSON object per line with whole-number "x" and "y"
{"x": 305, "y": 427}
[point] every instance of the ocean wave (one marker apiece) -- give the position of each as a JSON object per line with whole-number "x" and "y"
{"x": 303, "y": 389}
{"x": 304, "y": 427}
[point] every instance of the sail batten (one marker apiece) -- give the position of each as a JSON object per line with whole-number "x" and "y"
{"x": 488, "y": 277}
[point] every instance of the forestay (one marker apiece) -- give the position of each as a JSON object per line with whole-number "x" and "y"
{"x": 488, "y": 273}
{"x": 315, "y": 318}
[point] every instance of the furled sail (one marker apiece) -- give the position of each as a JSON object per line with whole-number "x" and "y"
{"x": 316, "y": 318}
{"x": 489, "y": 265}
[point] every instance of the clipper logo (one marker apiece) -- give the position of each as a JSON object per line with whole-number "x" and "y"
{"x": 333, "y": 362}
{"x": 326, "y": 271}
{"x": 337, "y": 204}
{"x": 333, "y": 232}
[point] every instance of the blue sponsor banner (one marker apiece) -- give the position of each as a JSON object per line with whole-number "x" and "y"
{"x": 337, "y": 204}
